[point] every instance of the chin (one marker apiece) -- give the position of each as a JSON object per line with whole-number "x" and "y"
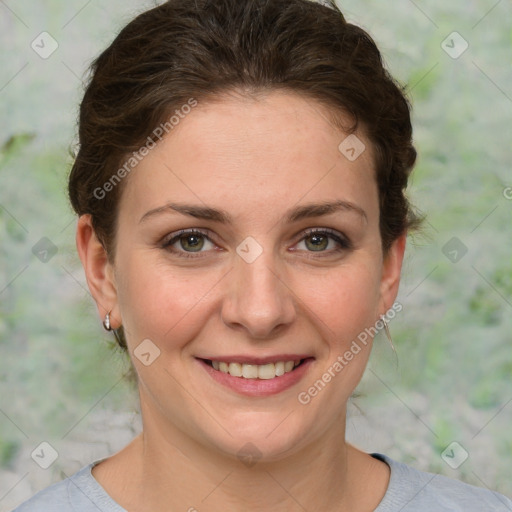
{"x": 262, "y": 437}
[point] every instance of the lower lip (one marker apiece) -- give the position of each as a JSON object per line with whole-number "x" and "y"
{"x": 258, "y": 387}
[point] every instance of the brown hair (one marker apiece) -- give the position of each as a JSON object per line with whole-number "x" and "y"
{"x": 201, "y": 49}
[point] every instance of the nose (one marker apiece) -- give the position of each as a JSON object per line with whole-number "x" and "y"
{"x": 258, "y": 300}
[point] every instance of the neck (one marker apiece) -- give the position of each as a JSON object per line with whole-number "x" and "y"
{"x": 166, "y": 469}
{"x": 222, "y": 483}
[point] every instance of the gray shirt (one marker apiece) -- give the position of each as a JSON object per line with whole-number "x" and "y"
{"x": 409, "y": 490}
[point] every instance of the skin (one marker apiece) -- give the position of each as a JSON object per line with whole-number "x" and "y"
{"x": 256, "y": 159}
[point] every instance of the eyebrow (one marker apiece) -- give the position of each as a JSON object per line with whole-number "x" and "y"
{"x": 223, "y": 217}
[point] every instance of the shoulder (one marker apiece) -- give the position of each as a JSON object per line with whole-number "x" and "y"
{"x": 77, "y": 493}
{"x": 55, "y": 498}
{"x": 413, "y": 490}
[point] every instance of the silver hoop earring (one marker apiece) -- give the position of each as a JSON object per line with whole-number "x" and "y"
{"x": 108, "y": 327}
{"x": 106, "y": 322}
{"x": 388, "y": 334}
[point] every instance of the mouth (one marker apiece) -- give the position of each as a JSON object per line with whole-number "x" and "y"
{"x": 255, "y": 371}
{"x": 257, "y": 380}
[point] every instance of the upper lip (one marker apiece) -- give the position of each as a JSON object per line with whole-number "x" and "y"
{"x": 247, "y": 359}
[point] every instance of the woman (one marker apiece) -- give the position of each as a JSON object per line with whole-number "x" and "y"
{"x": 240, "y": 187}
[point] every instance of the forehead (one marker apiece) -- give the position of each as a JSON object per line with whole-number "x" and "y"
{"x": 254, "y": 155}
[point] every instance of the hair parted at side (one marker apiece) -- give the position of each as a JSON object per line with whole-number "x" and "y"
{"x": 202, "y": 49}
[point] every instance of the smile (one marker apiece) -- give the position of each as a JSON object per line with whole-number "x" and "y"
{"x": 255, "y": 371}
{"x": 257, "y": 380}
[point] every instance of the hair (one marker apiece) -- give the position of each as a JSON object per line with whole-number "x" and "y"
{"x": 184, "y": 51}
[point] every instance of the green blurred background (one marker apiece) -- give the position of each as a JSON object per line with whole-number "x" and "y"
{"x": 61, "y": 380}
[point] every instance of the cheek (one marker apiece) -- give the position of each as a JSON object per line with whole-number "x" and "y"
{"x": 163, "y": 302}
{"x": 344, "y": 305}
{"x": 344, "y": 300}
{"x": 171, "y": 305}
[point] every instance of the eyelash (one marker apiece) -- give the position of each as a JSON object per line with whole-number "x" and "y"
{"x": 344, "y": 243}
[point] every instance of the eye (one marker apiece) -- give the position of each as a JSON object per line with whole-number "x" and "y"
{"x": 188, "y": 241}
{"x": 325, "y": 240}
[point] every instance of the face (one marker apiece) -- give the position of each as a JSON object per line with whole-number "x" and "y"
{"x": 263, "y": 273}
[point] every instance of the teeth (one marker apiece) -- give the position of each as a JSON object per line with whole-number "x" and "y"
{"x": 256, "y": 371}
{"x": 249, "y": 371}
{"x": 234, "y": 369}
{"x": 288, "y": 366}
{"x": 266, "y": 371}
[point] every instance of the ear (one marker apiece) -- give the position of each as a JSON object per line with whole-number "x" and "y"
{"x": 99, "y": 272}
{"x": 391, "y": 269}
